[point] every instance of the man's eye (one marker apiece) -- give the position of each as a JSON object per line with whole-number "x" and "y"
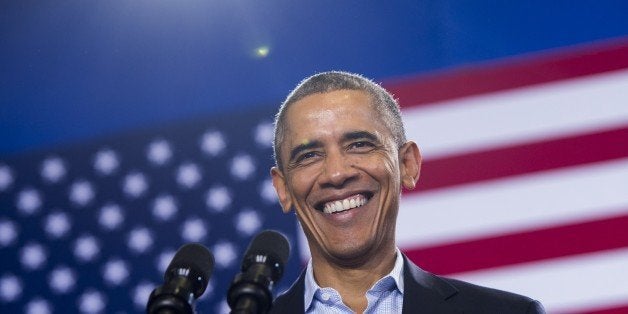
{"x": 359, "y": 145}
{"x": 306, "y": 156}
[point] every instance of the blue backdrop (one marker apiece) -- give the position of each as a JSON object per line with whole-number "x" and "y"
{"x": 74, "y": 69}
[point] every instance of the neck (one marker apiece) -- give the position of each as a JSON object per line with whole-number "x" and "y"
{"x": 352, "y": 282}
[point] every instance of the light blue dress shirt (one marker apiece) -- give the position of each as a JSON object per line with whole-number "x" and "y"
{"x": 385, "y": 296}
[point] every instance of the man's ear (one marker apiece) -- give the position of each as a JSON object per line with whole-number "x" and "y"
{"x": 410, "y": 164}
{"x": 279, "y": 182}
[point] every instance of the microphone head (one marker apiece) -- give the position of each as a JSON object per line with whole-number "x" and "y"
{"x": 272, "y": 243}
{"x": 262, "y": 267}
{"x": 195, "y": 257}
{"x": 270, "y": 248}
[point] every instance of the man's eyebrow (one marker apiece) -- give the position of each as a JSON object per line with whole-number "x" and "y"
{"x": 356, "y": 135}
{"x": 349, "y": 136}
{"x": 305, "y": 146}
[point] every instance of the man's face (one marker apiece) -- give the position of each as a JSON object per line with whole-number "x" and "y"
{"x": 343, "y": 174}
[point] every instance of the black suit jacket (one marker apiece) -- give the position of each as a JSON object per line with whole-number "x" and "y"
{"x": 427, "y": 293}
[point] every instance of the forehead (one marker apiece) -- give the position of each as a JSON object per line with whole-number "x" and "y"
{"x": 331, "y": 113}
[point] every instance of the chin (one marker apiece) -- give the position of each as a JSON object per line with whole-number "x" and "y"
{"x": 351, "y": 254}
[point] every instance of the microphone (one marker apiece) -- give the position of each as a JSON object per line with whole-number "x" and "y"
{"x": 262, "y": 266}
{"x": 185, "y": 280}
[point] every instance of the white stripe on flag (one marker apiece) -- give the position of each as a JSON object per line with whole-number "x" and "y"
{"x": 522, "y": 115}
{"x": 566, "y": 284}
{"x": 513, "y": 204}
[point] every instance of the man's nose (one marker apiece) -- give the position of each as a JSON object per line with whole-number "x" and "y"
{"x": 338, "y": 169}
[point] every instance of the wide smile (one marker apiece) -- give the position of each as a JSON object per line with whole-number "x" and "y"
{"x": 344, "y": 204}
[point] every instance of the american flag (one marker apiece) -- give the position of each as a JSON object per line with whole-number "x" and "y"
{"x": 90, "y": 228}
{"x": 524, "y": 185}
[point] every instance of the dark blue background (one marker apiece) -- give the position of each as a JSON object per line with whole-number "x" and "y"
{"x": 74, "y": 70}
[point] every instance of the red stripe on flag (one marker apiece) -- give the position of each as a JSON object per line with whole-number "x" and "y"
{"x": 509, "y": 249}
{"x": 522, "y": 159}
{"x": 484, "y": 78}
{"x": 610, "y": 310}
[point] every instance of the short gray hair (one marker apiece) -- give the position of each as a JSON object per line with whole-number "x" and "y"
{"x": 336, "y": 80}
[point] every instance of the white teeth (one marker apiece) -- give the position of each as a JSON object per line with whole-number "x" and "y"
{"x": 338, "y": 206}
{"x": 346, "y": 204}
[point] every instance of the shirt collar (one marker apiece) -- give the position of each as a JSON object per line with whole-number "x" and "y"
{"x": 311, "y": 287}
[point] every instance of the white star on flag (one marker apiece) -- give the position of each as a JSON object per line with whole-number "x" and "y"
{"x": 86, "y": 248}
{"x": 159, "y": 152}
{"x": 212, "y": 143}
{"x": 10, "y": 288}
{"x": 81, "y": 192}
{"x": 140, "y": 240}
{"x": 264, "y": 134}
{"x": 242, "y": 167}
{"x": 33, "y": 256}
{"x": 57, "y": 224}
{"x": 248, "y": 221}
{"x": 53, "y": 169}
{"x": 8, "y": 232}
{"x": 62, "y": 279}
{"x": 218, "y": 198}
{"x": 141, "y": 293}
{"x": 224, "y": 254}
{"x": 164, "y": 207}
{"x": 267, "y": 191}
{"x": 115, "y": 272}
{"x": 163, "y": 260}
{"x": 135, "y": 184}
{"x": 106, "y": 162}
{"x": 29, "y": 201}
{"x": 111, "y": 216}
{"x": 6, "y": 177}
{"x": 188, "y": 175}
{"x": 193, "y": 230}
{"x": 38, "y": 306}
{"x": 91, "y": 301}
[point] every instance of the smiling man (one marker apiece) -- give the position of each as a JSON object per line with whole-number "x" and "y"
{"x": 342, "y": 159}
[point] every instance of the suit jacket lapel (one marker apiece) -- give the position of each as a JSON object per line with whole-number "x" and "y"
{"x": 292, "y": 300}
{"x": 425, "y": 292}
